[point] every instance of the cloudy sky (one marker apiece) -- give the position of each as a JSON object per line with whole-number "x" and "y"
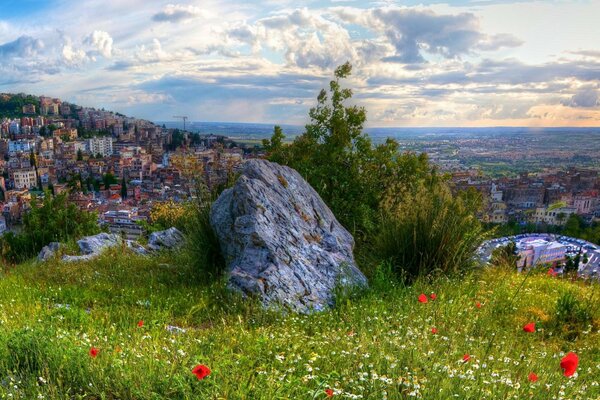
{"x": 416, "y": 63}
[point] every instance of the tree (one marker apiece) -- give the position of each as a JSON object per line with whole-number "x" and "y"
{"x": 123, "y": 188}
{"x": 109, "y": 179}
{"x": 274, "y": 145}
{"x": 506, "y": 255}
{"x": 339, "y": 160}
{"x": 79, "y": 155}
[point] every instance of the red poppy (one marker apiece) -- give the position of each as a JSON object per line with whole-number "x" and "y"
{"x": 433, "y": 296}
{"x": 94, "y": 352}
{"x": 529, "y": 328}
{"x": 478, "y": 304}
{"x": 329, "y": 392}
{"x": 422, "y": 298}
{"x": 569, "y": 364}
{"x": 532, "y": 377}
{"x": 201, "y": 371}
{"x": 434, "y": 331}
{"x": 552, "y": 272}
{"x": 140, "y": 323}
{"x": 466, "y": 357}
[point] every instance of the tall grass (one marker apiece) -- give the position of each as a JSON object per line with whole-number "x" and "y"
{"x": 430, "y": 231}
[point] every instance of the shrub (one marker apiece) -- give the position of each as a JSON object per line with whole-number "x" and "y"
{"x": 53, "y": 219}
{"x": 430, "y": 231}
{"x": 571, "y": 316}
{"x": 202, "y": 245}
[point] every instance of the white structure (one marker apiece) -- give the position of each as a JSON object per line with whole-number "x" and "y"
{"x": 24, "y": 178}
{"x": 14, "y": 128}
{"x": 100, "y": 145}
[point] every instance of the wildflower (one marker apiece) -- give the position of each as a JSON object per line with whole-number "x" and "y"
{"x": 532, "y": 377}
{"x": 552, "y": 272}
{"x": 201, "y": 371}
{"x": 434, "y": 330}
{"x": 94, "y": 352}
{"x": 569, "y": 364}
{"x": 529, "y": 328}
{"x": 140, "y": 323}
{"x": 466, "y": 357}
{"x": 478, "y": 304}
{"x": 329, "y": 392}
{"x": 422, "y": 298}
{"x": 433, "y": 296}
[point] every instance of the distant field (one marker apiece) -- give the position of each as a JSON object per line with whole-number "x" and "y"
{"x": 375, "y": 345}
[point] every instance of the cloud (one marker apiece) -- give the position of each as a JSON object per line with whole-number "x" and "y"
{"x": 585, "y": 98}
{"x": 24, "y": 46}
{"x": 414, "y": 32}
{"x": 177, "y": 13}
{"x": 102, "y": 42}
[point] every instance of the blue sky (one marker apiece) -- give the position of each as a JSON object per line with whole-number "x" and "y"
{"x": 416, "y": 63}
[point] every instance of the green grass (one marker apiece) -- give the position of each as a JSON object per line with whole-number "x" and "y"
{"x": 373, "y": 345}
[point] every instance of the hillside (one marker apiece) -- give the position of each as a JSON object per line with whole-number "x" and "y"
{"x": 374, "y": 345}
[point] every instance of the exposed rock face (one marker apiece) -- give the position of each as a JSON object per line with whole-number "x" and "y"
{"x": 48, "y": 251}
{"x": 168, "y": 239}
{"x": 280, "y": 241}
{"x": 92, "y": 246}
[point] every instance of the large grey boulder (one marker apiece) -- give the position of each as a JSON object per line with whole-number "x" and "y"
{"x": 92, "y": 246}
{"x": 48, "y": 251}
{"x": 167, "y": 239}
{"x": 280, "y": 241}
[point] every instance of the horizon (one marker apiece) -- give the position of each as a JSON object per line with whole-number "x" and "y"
{"x": 415, "y": 63}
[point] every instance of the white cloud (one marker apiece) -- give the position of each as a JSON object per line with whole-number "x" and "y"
{"x": 102, "y": 42}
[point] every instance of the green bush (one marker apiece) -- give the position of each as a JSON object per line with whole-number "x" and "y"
{"x": 430, "y": 231}
{"x": 571, "y": 316}
{"x": 54, "y": 219}
{"x": 202, "y": 245}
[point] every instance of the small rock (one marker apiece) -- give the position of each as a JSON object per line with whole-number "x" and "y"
{"x": 168, "y": 239}
{"x": 48, "y": 251}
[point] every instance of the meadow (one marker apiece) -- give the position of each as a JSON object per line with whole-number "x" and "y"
{"x": 130, "y": 327}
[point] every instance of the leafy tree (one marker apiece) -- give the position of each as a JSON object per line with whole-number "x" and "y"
{"x": 79, "y": 155}
{"x": 109, "y": 179}
{"x": 339, "y": 160}
{"x": 123, "y": 188}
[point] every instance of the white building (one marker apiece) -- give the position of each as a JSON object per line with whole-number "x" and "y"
{"x": 100, "y": 145}
{"x": 24, "y": 178}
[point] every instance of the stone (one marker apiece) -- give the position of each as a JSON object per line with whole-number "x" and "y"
{"x": 171, "y": 238}
{"x": 137, "y": 248}
{"x": 91, "y": 246}
{"x": 281, "y": 242}
{"x": 48, "y": 251}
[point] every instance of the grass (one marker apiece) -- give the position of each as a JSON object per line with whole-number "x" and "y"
{"x": 373, "y": 345}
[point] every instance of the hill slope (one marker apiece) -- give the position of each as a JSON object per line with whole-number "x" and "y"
{"x": 376, "y": 345}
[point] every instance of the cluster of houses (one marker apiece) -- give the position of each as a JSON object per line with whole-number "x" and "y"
{"x": 61, "y": 147}
{"x": 544, "y": 198}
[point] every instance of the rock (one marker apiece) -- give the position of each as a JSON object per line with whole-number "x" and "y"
{"x": 137, "y": 248}
{"x": 48, "y": 251}
{"x": 92, "y": 246}
{"x": 168, "y": 239}
{"x": 95, "y": 244}
{"x": 280, "y": 241}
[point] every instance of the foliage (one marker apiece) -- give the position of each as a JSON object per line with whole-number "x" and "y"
{"x": 571, "y": 316}
{"x": 430, "y": 231}
{"x": 506, "y": 255}
{"x": 11, "y": 106}
{"x": 52, "y": 219}
{"x": 339, "y": 160}
{"x": 202, "y": 245}
{"x": 378, "y": 343}
{"x": 167, "y": 214}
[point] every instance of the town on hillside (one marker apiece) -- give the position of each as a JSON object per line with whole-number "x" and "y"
{"x": 114, "y": 165}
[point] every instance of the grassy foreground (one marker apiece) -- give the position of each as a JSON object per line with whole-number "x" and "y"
{"x": 376, "y": 345}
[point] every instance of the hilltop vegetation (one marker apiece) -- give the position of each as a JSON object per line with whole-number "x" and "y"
{"x": 372, "y": 345}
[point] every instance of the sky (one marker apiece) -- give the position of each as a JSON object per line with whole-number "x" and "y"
{"x": 415, "y": 63}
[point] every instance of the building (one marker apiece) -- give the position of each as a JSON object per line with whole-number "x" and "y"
{"x": 21, "y": 146}
{"x": 540, "y": 251}
{"x": 24, "y": 178}
{"x": 29, "y": 109}
{"x": 552, "y": 216}
{"x": 100, "y": 145}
